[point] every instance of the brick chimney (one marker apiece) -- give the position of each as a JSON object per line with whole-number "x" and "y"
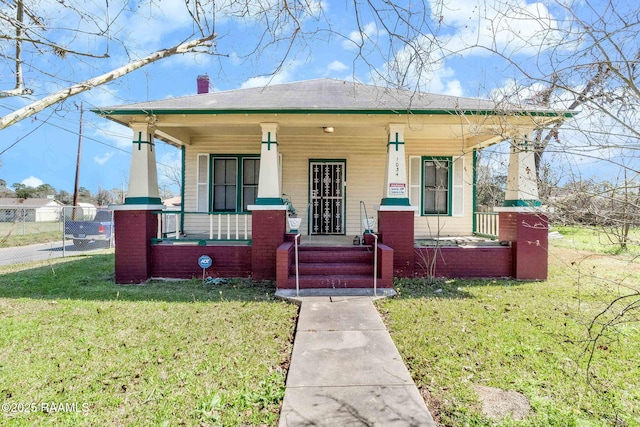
{"x": 203, "y": 84}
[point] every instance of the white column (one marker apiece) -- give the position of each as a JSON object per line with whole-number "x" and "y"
{"x": 522, "y": 181}
{"x": 143, "y": 176}
{"x": 269, "y": 192}
{"x": 395, "y": 183}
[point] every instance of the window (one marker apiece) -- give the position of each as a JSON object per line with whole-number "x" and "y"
{"x": 436, "y": 185}
{"x": 250, "y": 173}
{"x": 225, "y": 188}
{"x": 435, "y": 198}
{"x": 233, "y": 181}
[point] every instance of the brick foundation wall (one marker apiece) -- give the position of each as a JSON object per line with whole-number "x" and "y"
{"x": 465, "y": 262}
{"x": 268, "y": 232}
{"x": 181, "y": 262}
{"x": 396, "y": 231}
{"x": 133, "y": 231}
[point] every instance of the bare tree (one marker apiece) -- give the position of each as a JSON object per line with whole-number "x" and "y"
{"x": 35, "y": 33}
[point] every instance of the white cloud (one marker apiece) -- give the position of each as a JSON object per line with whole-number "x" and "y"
{"x": 32, "y": 181}
{"x": 101, "y": 160}
{"x": 358, "y": 38}
{"x": 285, "y": 75}
{"x": 113, "y": 133}
{"x": 421, "y": 66}
{"x": 506, "y": 26}
{"x": 337, "y": 66}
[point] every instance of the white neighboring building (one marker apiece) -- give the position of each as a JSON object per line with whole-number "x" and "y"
{"x": 30, "y": 210}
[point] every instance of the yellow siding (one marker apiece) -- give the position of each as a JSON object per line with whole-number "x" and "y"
{"x": 365, "y": 157}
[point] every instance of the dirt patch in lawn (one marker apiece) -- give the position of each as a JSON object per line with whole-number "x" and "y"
{"x": 498, "y": 404}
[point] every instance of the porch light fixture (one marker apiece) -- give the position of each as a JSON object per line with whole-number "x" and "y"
{"x": 327, "y": 129}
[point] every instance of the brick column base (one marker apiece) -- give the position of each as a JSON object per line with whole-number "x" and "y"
{"x": 268, "y": 231}
{"x": 133, "y": 232}
{"x": 529, "y": 236}
{"x": 396, "y": 229}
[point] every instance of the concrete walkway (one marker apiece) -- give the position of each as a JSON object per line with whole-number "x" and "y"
{"x": 346, "y": 371}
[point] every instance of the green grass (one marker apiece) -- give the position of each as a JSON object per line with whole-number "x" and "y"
{"x": 183, "y": 353}
{"x": 166, "y": 353}
{"x": 528, "y": 337}
{"x": 595, "y": 239}
{"x": 29, "y": 233}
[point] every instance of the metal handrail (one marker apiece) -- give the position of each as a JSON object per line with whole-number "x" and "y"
{"x": 295, "y": 245}
{"x": 363, "y": 207}
{"x": 375, "y": 265}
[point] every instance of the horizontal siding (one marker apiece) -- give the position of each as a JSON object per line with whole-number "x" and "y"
{"x": 445, "y": 226}
{"x": 365, "y": 159}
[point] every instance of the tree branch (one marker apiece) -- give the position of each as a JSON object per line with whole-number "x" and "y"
{"x": 39, "y": 105}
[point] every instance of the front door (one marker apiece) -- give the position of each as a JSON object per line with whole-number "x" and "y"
{"x": 327, "y": 185}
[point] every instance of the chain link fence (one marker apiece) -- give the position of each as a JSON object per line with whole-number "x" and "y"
{"x": 36, "y": 233}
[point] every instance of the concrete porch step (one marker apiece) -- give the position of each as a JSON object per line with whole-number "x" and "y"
{"x": 331, "y": 281}
{"x": 292, "y": 295}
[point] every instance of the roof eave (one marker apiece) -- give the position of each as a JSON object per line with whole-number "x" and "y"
{"x": 467, "y": 112}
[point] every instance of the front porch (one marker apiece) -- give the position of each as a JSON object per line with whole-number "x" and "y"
{"x": 335, "y": 262}
{"x": 336, "y": 152}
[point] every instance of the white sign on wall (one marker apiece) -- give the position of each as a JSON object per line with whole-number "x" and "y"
{"x": 398, "y": 189}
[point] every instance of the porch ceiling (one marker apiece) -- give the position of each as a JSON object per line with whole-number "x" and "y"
{"x": 477, "y": 131}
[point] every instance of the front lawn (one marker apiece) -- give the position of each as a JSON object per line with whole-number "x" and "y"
{"x": 528, "y": 337}
{"x": 79, "y": 350}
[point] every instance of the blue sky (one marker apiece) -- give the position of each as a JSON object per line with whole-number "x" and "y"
{"x": 43, "y": 149}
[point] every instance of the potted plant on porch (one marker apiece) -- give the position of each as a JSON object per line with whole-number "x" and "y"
{"x": 292, "y": 217}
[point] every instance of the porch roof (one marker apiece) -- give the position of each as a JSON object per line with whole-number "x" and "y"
{"x": 307, "y": 106}
{"x": 326, "y": 96}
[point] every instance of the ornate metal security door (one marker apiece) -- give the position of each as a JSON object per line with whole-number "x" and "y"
{"x": 327, "y": 196}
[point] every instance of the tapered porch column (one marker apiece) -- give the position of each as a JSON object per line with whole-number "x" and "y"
{"x": 395, "y": 214}
{"x": 143, "y": 175}
{"x": 134, "y": 222}
{"x": 268, "y": 215}
{"x": 269, "y": 192}
{"x": 395, "y": 182}
{"x": 521, "y": 221}
{"x": 522, "y": 181}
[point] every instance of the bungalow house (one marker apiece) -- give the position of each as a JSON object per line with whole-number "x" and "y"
{"x": 382, "y": 181}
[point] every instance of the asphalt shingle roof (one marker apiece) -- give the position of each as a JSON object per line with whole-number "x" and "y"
{"x": 315, "y": 95}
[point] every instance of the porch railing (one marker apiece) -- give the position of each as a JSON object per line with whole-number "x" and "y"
{"x": 485, "y": 224}
{"x": 222, "y": 226}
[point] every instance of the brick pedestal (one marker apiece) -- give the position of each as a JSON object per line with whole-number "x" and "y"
{"x": 396, "y": 230}
{"x": 133, "y": 231}
{"x": 268, "y": 232}
{"x": 528, "y": 233}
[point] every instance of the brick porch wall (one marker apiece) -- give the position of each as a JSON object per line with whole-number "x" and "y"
{"x": 133, "y": 232}
{"x": 268, "y": 233}
{"x": 465, "y": 261}
{"x": 529, "y": 234}
{"x": 180, "y": 261}
{"x": 396, "y": 231}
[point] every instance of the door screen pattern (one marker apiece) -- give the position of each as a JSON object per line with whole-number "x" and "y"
{"x": 327, "y": 197}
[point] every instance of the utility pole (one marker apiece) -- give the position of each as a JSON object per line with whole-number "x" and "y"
{"x": 77, "y": 184}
